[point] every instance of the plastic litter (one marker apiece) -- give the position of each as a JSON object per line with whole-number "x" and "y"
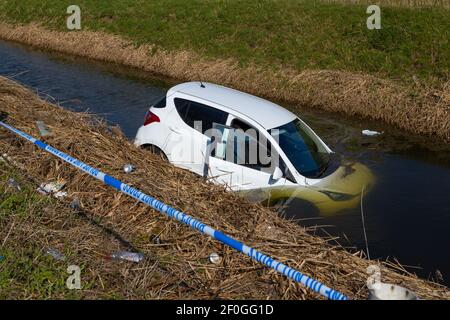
{"x": 128, "y": 168}
{"x": 370, "y": 133}
{"x": 127, "y": 256}
{"x": 2, "y": 258}
{"x": 388, "y": 291}
{"x": 60, "y": 194}
{"x": 52, "y": 188}
{"x": 13, "y": 184}
{"x": 43, "y": 129}
{"x": 55, "y": 254}
{"x": 214, "y": 258}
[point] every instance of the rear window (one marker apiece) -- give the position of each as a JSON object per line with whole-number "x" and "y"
{"x": 195, "y": 114}
{"x": 160, "y": 104}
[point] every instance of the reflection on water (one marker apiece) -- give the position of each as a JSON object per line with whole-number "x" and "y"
{"x": 331, "y": 195}
{"x": 407, "y": 210}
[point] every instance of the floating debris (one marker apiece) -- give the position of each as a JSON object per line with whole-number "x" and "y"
{"x": 128, "y": 168}
{"x": 370, "y": 133}
{"x": 2, "y": 258}
{"x": 43, "y": 129}
{"x": 388, "y": 291}
{"x": 127, "y": 256}
{"x": 14, "y": 185}
{"x": 55, "y": 254}
{"x": 215, "y": 258}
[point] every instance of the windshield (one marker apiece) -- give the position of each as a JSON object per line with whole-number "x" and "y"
{"x": 308, "y": 155}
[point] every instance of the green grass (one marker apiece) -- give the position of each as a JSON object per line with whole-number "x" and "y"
{"x": 275, "y": 33}
{"x": 30, "y": 223}
{"x": 28, "y": 219}
{"x": 24, "y": 269}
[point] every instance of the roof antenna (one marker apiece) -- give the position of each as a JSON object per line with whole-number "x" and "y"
{"x": 201, "y": 84}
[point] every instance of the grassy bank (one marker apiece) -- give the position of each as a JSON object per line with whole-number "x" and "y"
{"x": 182, "y": 255}
{"x": 31, "y": 223}
{"x": 317, "y": 35}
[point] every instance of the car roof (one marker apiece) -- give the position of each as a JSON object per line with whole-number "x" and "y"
{"x": 267, "y": 114}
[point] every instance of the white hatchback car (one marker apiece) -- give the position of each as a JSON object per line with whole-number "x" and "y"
{"x": 244, "y": 142}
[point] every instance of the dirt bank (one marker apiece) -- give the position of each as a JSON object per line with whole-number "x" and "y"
{"x": 417, "y": 109}
{"x": 183, "y": 252}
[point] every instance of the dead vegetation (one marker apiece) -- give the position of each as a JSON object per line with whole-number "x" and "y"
{"x": 419, "y": 109}
{"x": 395, "y": 3}
{"x": 182, "y": 253}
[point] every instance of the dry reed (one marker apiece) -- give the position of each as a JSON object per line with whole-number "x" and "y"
{"x": 395, "y": 3}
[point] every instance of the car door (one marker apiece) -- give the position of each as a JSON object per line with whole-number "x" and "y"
{"x": 233, "y": 160}
{"x": 187, "y": 143}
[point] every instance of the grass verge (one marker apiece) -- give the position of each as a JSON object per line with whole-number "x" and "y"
{"x": 281, "y": 34}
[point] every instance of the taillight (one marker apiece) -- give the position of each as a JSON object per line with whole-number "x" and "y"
{"x": 150, "y": 117}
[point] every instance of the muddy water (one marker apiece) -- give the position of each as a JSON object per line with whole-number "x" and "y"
{"x": 407, "y": 213}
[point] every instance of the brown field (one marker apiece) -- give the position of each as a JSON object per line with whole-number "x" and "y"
{"x": 180, "y": 261}
{"x": 418, "y": 109}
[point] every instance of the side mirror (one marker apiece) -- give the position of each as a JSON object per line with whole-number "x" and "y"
{"x": 277, "y": 174}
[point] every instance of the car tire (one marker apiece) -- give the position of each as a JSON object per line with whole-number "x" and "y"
{"x": 155, "y": 150}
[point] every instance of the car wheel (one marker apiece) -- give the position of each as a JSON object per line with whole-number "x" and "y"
{"x": 155, "y": 150}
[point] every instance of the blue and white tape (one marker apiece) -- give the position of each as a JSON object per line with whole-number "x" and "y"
{"x": 186, "y": 219}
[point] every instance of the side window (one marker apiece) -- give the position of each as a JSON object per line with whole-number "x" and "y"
{"x": 182, "y": 106}
{"x": 250, "y": 147}
{"x": 196, "y": 114}
{"x": 243, "y": 145}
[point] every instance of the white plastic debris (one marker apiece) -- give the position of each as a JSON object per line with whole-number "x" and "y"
{"x": 128, "y": 256}
{"x": 128, "y": 168}
{"x": 51, "y": 188}
{"x": 214, "y": 258}
{"x": 43, "y": 129}
{"x": 60, "y": 194}
{"x": 55, "y": 254}
{"x": 370, "y": 133}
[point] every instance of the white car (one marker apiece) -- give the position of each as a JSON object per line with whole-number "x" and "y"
{"x": 239, "y": 140}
